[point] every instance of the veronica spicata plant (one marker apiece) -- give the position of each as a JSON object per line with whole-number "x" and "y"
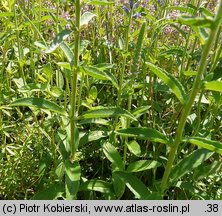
{"x": 100, "y": 100}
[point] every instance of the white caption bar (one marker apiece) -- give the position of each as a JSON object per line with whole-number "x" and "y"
{"x": 103, "y": 208}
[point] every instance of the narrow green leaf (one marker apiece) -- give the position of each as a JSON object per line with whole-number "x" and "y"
{"x": 6, "y": 14}
{"x": 181, "y": 31}
{"x": 142, "y": 165}
{"x": 92, "y": 136}
{"x": 213, "y": 86}
{"x": 189, "y": 5}
{"x": 68, "y": 52}
{"x": 175, "y": 51}
{"x": 144, "y": 133}
{"x": 140, "y": 111}
{"x": 64, "y": 65}
{"x": 197, "y": 21}
{"x": 202, "y": 34}
{"x": 95, "y": 121}
{"x": 100, "y": 74}
{"x": 56, "y": 92}
{"x": 113, "y": 156}
{"x": 205, "y": 171}
{"x": 137, "y": 52}
{"x": 181, "y": 8}
{"x": 107, "y": 112}
{"x": 64, "y": 146}
{"x": 40, "y": 45}
{"x": 134, "y": 184}
{"x": 33, "y": 87}
{"x": 170, "y": 81}
{"x": 92, "y": 94}
{"x": 118, "y": 184}
{"x": 95, "y": 72}
{"x": 189, "y": 163}
{"x": 104, "y": 66}
{"x": 76, "y": 142}
{"x": 58, "y": 40}
{"x": 189, "y": 73}
{"x": 68, "y": 138}
{"x": 121, "y": 43}
{"x": 59, "y": 171}
{"x": 206, "y": 12}
{"x": 101, "y": 3}
{"x": 72, "y": 178}
{"x": 51, "y": 193}
{"x": 97, "y": 185}
{"x": 83, "y": 46}
{"x": 86, "y": 17}
{"x": 211, "y": 145}
{"x": 39, "y": 103}
{"x": 113, "y": 79}
{"x": 134, "y": 148}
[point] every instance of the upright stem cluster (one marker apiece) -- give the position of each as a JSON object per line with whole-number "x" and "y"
{"x": 126, "y": 46}
{"x": 195, "y": 89}
{"x": 74, "y": 79}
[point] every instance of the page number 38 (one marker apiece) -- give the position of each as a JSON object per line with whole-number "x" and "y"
{"x": 212, "y": 208}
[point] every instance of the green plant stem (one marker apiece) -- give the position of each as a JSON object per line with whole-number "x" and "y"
{"x": 190, "y": 101}
{"x": 124, "y": 59}
{"x": 74, "y": 79}
{"x": 80, "y": 92}
{"x": 126, "y": 48}
{"x": 133, "y": 69}
{"x": 111, "y": 23}
{"x": 184, "y": 54}
{"x": 57, "y": 15}
{"x": 33, "y": 25}
{"x": 198, "y": 114}
{"x": 20, "y": 53}
{"x": 214, "y": 115}
{"x": 191, "y": 54}
{"x": 187, "y": 43}
{"x": 40, "y": 15}
{"x": 217, "y": 52}
{"x": 214, "y": 61}
{"x": 122, "y": 71}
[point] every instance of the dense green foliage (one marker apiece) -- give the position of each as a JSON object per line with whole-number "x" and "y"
{"x": 110, "y": 99}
